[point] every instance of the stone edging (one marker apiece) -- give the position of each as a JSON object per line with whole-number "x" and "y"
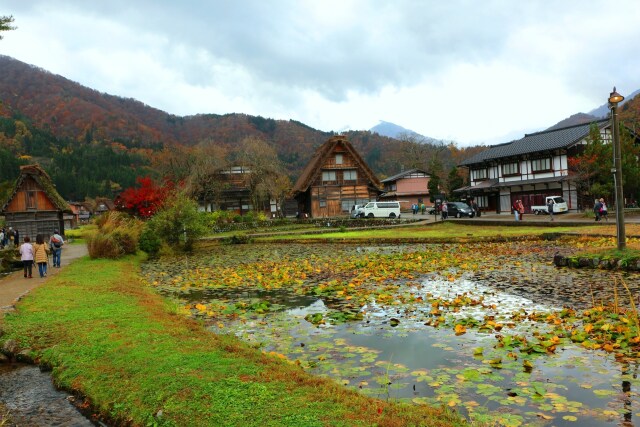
{"x": 597, "y": 263}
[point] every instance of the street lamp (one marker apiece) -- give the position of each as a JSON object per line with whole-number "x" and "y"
{"x": 614, "y": 99}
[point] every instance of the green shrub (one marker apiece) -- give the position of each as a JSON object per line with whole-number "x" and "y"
{"x": 179, "y": 222}
{"x": 149, "y": 241}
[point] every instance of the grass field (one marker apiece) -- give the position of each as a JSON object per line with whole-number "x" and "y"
{"x": 452, "y": 230}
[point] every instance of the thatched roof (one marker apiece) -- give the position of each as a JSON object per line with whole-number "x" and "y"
{"x": 314, "y": 167}
{"x": 44, "y": 182}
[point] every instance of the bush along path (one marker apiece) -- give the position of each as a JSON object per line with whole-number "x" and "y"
{"x": 136, "y": 361}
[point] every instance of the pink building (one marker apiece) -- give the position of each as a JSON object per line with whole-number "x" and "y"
{"x": 407, "y": 187}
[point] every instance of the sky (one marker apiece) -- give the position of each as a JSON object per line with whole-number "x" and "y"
{"x": 467, "y": 71}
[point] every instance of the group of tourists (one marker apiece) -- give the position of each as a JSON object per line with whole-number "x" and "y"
{"x": 600, "y": 210}
{"x": 9, "y": 238}
{"x": 38, "y": 253}
{"x": 418, "y": 207}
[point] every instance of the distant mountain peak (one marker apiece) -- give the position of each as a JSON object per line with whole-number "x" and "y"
{"x": 393, "y": 130}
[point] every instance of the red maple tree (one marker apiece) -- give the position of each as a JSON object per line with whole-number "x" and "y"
{"x": 144, "y": 201}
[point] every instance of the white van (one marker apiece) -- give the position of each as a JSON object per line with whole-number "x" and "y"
{"x": 381, "y": 210}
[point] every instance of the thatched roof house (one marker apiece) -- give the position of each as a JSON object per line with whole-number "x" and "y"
{"x": 35, "y": 207}
{"x": 335, "y": 179}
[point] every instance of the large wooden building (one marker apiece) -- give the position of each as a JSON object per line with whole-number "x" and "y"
{"x": 335, "y": 179}
{"x": 35, "y": 207}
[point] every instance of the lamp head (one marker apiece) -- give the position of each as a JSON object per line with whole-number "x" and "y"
{"x": 615, "y": 97}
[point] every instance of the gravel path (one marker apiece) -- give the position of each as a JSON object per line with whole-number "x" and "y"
{"x": 15, "y": 286}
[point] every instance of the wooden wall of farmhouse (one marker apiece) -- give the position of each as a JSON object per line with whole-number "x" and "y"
{"x": 327, "y": 200}
{"x": 30, "y": 197}
{"x": 33, "y": 223}
{"x": 335, "y": 186}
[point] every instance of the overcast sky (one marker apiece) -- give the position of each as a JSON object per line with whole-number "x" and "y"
{"x": 468, "y": 71}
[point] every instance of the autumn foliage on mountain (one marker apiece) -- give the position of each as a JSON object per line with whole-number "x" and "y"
{"x": 95, "y": 144}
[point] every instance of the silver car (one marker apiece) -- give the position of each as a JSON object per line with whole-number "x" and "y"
{"x": 356, "y": 211}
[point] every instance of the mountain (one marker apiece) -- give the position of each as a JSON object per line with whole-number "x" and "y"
{"x": 392, "y": 130}
{"x": 576, "y": 119}
{"x": 95, "y": 144}
{"x": 68, "y": 110}
{"x": 603, "y": 110}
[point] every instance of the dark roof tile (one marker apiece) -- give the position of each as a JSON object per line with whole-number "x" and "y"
{"x": 547, "y": 140}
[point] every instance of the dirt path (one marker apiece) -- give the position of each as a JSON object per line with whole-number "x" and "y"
{"x": 15, "y": 286}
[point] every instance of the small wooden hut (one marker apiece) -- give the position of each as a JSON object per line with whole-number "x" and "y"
{"x": 335, "y": 179}
{"x": 35, "y": 207}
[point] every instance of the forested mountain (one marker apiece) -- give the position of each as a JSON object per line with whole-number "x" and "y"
{"x": 629, "y": 111}
{"x": 94, "y": 144}
{"x": 576, "y": 119}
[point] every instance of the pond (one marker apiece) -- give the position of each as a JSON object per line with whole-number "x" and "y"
{"x": 494, "y": 331}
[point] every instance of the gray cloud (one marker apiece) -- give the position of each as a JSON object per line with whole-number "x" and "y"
{"x": 293, "y": 58}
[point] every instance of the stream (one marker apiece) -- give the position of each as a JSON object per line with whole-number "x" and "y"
{"x": 32, "y": 400}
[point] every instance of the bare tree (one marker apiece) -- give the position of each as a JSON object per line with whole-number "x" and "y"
{"x": 267, "y": 178}
{"x": 205, "y": 180}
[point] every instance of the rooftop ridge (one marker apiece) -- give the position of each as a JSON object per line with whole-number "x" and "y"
{"x": 565, "y": 128}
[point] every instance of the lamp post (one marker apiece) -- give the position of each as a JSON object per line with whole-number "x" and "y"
{"x": 614, "y": 99}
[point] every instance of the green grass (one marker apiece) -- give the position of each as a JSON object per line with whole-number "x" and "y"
{"x": 442, "y": 230}
{"x": 114, "y": 341}
{"x": 80, "y": 232}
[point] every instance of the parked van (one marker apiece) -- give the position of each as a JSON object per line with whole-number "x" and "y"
{"x": 381, "y": 210}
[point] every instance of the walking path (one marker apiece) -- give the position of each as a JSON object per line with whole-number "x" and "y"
{"x": 15, "y": 286}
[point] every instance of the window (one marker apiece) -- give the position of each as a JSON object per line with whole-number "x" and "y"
{"x": 328, "y": 176}
{"x": 388, "y": 205}
{"x": 346, "y": 205}
{"x": 338, "y": 159}
{"x": 480, "y": 174}
{"x": 323, "y": 203}
{"x": 541, "y": 165}
{"x": 31, "y": 199}
{"x": 510, "y": 169}
{"x": 350, "y": 175}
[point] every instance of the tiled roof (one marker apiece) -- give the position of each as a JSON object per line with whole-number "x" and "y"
{"x": 401, "y": 174}
{"x": 536, "y": 142}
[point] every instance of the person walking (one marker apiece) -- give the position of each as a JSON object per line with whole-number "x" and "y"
{"x": 41, "y": 255}
{"x": 604, "y": 213}
{"x": 550, "y": 204}
{"x": 476, "y": 209}
{"x": 444, "y": 211}
{"x": 55, "y": 243}
{"x": 516, "y": 210}
{"x": 596, "y": 209}
{"x": 521, "y": 210}
{"x": 26, "y": 256}
{"x": 11, "y": 235}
